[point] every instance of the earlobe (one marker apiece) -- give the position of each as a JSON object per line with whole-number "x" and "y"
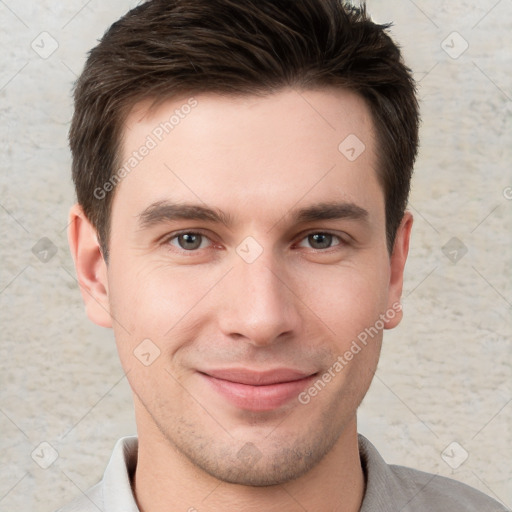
{"x": 90, "y": 266}
{"x": 397, "y": 266}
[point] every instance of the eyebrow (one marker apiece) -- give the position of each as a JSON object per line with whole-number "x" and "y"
{"x": 165, "y": 211}
{"x": 331, "y": 211}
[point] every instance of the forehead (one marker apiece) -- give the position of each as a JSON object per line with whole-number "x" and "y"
{"x": 266, "y": 152}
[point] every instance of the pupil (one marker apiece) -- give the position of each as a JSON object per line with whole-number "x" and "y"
{"x": 189, "y": 241}
{"x": 320, "y": 240}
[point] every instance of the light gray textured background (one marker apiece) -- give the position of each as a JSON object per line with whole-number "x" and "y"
{"x": 445, "y": 373}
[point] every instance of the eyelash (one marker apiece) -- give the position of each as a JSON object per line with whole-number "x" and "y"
{"x": 340, "y": 241}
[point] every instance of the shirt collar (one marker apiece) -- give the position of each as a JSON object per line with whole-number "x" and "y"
{"x": 383, "y": 492}
{"x": 117, "y": 488}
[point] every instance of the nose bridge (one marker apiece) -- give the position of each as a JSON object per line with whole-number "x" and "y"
{"x": 258, "y": 305}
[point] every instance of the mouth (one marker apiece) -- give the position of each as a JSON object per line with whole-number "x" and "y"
{"x": 258, "y": 391}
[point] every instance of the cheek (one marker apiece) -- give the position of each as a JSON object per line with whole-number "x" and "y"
{"x": 346, "y": 299}
{"x": 150, "y": 302}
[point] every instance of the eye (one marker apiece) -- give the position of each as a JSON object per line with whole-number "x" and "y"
{"x": 189, "y": 241}
{"x": 320, "y": 241}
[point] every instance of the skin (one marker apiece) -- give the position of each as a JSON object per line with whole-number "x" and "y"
{"x": 299, "y": 304}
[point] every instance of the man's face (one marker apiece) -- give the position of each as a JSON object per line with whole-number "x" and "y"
{"x": 245, "y": 295}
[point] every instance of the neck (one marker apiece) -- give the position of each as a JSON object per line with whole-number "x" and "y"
{"x": 166, "y": 480}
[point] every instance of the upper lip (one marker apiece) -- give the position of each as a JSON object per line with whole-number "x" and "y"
{"x": 258, "y": 378}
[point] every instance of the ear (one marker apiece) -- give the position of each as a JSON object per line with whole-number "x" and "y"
{"x": 90, "y": 266}
{"x": 397, "y": 263}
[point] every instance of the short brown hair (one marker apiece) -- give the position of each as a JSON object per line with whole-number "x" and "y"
{"x": 167, "y": 47}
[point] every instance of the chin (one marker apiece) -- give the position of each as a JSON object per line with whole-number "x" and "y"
{"x": 266, "y": 461}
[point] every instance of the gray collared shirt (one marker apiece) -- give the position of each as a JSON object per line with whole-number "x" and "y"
{"x": 388, "y": 488}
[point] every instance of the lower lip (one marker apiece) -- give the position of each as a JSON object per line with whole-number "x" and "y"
{"x": 258, "y": 398}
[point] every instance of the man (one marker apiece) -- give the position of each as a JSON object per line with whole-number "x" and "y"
{"x": 242, "y": 172}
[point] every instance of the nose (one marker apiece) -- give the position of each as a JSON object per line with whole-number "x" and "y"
{"x": 258, "y": 304}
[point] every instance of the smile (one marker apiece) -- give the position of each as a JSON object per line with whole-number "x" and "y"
{"x": 258, "y": 391}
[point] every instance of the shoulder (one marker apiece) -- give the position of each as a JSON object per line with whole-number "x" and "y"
{"x": 391, "y": 488}
{"x": 114, "y": 492}
{"x": 426, "y": 491}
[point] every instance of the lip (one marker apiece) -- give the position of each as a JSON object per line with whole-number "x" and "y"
{"x": 258, "y": 391}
